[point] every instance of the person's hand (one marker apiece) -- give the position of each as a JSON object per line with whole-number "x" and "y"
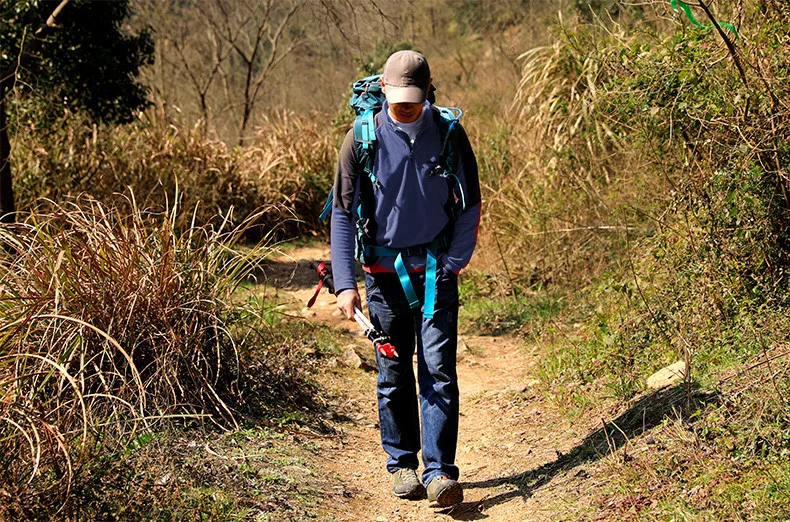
{"x": 444, "y": 266}
{"x": 347, "y": 301}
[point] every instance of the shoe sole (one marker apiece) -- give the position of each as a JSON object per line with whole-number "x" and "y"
{"x": 418, "y": 493}
{"x": 450, "y": 496}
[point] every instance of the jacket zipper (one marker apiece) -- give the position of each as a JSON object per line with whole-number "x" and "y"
{"x": 409, "y": 144}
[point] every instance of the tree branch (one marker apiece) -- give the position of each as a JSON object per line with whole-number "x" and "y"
{"x": 51, "y": 20}
{"x": 733, "y": 53}
{"x": 727, "y": 42}
{"x": 30, "y": 45}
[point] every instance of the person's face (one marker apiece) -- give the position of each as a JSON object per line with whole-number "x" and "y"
{"x": 404, "y": 112}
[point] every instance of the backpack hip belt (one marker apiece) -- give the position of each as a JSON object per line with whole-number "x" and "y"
{"x": 429, "y": 250}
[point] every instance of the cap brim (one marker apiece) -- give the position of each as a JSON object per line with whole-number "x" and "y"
{"x": 410, "y": 94}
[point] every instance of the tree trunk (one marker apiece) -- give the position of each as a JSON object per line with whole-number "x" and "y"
{"x": 6, "y": 188}
{"x": 244, "y": 121}
{"x": 248, "y": 101}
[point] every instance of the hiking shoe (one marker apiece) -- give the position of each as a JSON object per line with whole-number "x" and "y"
{"x": 405, "y": 484}
{"x": 444, "y": 492}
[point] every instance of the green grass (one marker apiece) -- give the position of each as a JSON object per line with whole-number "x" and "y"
{"x": 728, "y": 461}
{"x": 491, "y": 314}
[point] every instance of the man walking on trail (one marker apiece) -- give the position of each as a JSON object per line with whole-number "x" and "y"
{"x": 418, "y": 230}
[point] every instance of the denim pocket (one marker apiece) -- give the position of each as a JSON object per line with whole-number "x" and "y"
{"x": 370, "y": 283}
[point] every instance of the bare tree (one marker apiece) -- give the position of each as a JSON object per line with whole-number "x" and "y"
{"x": 261, "y": 36}
{"x": 216, "y": 56}
{"x": 226, "y": 62}
{"x": 201, "y": 76}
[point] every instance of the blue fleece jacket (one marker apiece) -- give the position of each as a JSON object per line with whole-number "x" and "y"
{"x": 409, "y": 205}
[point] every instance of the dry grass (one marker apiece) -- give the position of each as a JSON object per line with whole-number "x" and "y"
{"x": 621, "y": 132}
{"x": 644, "y": 156}
{"x": 288, "y": 167}
{"x": 116, "y": 316}
{"x": 728, "y": 461}
{"x": 113, "y": 319}
{"x": 565, "y": 195}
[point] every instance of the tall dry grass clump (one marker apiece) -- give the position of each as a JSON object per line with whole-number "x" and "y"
{"x": 287, "y": 167}
{"x": 572, "y": 189}
{"x": 648, "y": 168}
{"x": 112, "y": 319}
{"x": 621, "y": 131}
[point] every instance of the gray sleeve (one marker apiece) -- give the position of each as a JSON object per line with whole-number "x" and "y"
{"x": 466, "y": 227}
{"x": 343, "y": 228}
{"x": 346, "y": 175}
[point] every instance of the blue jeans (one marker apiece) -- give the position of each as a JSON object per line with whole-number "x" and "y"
{"x": 436, "y": 343}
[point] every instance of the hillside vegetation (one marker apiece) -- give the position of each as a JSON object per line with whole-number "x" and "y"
{"x": 646, "y": 201}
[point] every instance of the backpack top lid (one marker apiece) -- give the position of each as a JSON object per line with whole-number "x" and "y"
{"x": 366, "y": 94}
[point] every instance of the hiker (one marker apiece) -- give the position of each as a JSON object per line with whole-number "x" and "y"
{"x": 411, "y": 215}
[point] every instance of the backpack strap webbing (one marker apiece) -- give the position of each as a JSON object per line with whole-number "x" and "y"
{"x": 365, "y": 140}
{"x": 330, "y": 200}
{"x": 430, "y": 283}
{"x": 429, "y": 250}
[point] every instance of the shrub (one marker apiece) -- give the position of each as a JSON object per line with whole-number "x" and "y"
{"x": 623, "y": 132}
{"x": 647, "y": 169}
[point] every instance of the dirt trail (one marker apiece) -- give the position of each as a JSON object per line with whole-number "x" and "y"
{"x": 506, "y": 432}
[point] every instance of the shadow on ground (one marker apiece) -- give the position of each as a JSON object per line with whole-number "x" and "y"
{"x": 291, "y": 274}
{"x": 295, "y": 275}
{"x": 644, "y": 415}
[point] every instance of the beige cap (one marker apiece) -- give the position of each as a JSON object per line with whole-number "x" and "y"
{"x": 406, "y": 77}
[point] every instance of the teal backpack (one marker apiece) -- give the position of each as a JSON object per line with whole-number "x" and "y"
{"x": 367, "y": 100}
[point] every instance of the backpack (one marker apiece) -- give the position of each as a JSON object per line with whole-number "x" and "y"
{"x": 367, "y": 100}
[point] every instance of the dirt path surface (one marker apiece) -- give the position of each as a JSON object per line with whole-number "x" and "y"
{"x": 508, "y": 438}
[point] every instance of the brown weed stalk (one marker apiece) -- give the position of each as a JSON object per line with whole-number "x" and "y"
{"x": 112, "y": 319}
{"x": 287, "y": 167}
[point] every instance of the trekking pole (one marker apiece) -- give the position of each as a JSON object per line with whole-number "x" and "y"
{"x": 380, "y": 341}
{"x": 324, "y": 279}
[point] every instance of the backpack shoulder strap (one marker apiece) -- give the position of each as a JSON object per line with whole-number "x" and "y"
{"x": 365, "y": 144}
{"x": 366, "y": 100}
{"x": 449, "y": 158}
{"x": 448, "y": 122}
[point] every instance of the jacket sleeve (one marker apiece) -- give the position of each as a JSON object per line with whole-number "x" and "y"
{"x": 343, "y": 224}
{"x": 466, "y": 226}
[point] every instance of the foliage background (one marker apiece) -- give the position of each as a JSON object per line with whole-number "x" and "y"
{"x": 636, "y": 206}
